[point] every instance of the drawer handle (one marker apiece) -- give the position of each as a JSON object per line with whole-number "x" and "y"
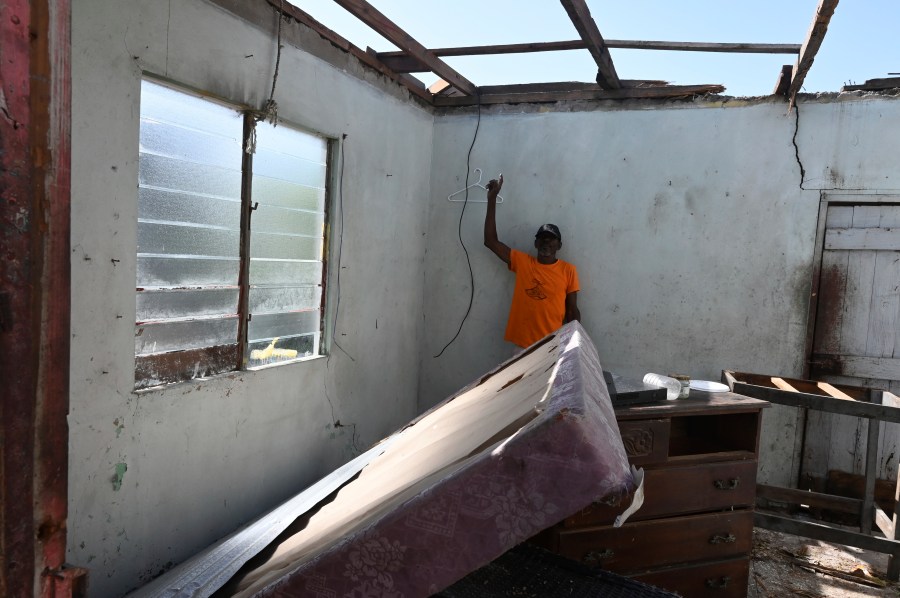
{"x": 594, "y": 557}
{"x": 731, "y": 484}
{"x": 718, "y": 584}
{"x": 729, "y": 539}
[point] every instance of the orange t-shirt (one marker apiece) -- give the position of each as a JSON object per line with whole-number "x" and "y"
{"x": 539, "y": 299}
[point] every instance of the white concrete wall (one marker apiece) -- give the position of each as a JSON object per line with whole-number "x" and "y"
{"x": 205, "y": 456}
{"x": 692, "y": 236}
{"x": 688, "y": 224}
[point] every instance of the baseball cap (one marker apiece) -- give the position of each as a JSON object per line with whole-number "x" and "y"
{"x": 550, "y": 229}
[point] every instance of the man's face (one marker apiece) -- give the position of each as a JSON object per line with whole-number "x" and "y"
{"x": 547, "y": 245}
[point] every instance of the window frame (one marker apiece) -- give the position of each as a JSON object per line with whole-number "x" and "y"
{"x": 185, "y": 365}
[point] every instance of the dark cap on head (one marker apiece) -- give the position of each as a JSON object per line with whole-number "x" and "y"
{"x": 549, "y": 229}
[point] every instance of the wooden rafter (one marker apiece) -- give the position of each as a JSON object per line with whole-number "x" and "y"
{"x": 784, "y": 80}
{"x": 402, "y": 62}
{"x": 578, "y": 92}
{"x": 581, "y": 17}
{"x": 811, "y": 45}
{"x": 566, "y": 86}
{"x": 334, "y": 38}
{"x": 407, "y": 80}
{"x": 387, "y": 28}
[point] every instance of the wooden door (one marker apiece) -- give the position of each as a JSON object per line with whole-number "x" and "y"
{"x": 856, "y": 339}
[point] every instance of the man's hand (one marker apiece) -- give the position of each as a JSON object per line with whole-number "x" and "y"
{"x": 490, "y": 223}
{"x": 493, "y": 187}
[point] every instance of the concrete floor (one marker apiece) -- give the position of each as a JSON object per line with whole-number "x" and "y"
{"x": 777, "y": 569}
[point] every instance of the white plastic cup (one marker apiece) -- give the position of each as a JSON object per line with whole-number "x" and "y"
{"x": 672, "y": 386}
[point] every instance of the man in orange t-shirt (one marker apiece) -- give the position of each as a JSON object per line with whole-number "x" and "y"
{"x": 546, "y": 292}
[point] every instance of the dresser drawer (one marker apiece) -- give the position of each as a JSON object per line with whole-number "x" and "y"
{"x": 637, "y": 547}
{"x": 679, "y": 490}
{"x": 724, "y": 579}
{"x": 646, "y": 441}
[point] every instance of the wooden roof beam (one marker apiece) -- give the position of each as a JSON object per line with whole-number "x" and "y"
{"x": 784, "y": 81}
{"x": 811, "y": 45}
{"x": 404, "y": 63}
{"x": 578, "y": 93}
{"x": 581, "y": 17}
{"x": 326, "y": 33}
{"x": 369, "y": 15}
{"x": 407, "y": 80}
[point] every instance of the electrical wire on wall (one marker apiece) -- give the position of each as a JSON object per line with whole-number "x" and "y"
{"x": 270, "y": 110}
{"x": 459, "y": 230}
{"x": 342, "y": 154}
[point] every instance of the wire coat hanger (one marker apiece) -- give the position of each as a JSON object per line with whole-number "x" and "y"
{"x": 475, "y": 184}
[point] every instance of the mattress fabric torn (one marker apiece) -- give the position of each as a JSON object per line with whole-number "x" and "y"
{"x": 526, "y": 445}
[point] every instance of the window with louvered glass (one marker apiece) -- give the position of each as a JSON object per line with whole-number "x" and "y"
{"x": 189, "y": 289}
{"x": 286, "y": 244}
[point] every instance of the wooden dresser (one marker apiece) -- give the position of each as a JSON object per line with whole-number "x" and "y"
{"x": 694, "y": 532}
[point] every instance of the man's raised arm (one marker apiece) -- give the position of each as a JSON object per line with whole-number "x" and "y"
{"x": 490, "y": 221}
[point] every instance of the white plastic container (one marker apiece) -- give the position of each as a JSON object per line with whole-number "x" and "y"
{"x": 672, "y": 386}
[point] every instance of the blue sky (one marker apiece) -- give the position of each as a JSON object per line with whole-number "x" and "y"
{"x": 861, "y": 42}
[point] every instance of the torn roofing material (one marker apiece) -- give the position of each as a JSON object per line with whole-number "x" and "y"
{"x": 521, "y": 448}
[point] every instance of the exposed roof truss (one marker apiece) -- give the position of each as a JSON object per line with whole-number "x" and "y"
{"x": 414, "y": 57}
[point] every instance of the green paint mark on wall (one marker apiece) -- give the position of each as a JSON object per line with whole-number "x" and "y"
{"x": 121, "y": 468}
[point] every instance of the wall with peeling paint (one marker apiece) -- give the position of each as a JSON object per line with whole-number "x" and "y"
{"x": 156, "y": 476}
{"x": 692, "y": 235}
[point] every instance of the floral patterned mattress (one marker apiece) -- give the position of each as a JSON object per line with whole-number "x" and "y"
{"x": 523, "y": 447}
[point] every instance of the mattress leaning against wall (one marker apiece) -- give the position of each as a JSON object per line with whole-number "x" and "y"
{"x": 526, "y": 445}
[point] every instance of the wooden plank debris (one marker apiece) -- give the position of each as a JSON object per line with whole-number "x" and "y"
{"x": 866, "y": 512}
{"x": 889, "y": 399}
{"x": 782, "y": 385}
{"x": 369, "y": 15}
{"x": 835, "y": 392}
{"x": 818, "y": 531}
{"x": 809, "y": 498}
{"x": 584, "y": 23}
{"x": 872, "y": 582}
{"x": 884, "y": 523}
{"x": 857, "y": 393}
{"x": 875, "y": 85}
{"x": 811, "y": 45}
{"x": 822, "y": 403}
{"x": 624, "y": 93}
